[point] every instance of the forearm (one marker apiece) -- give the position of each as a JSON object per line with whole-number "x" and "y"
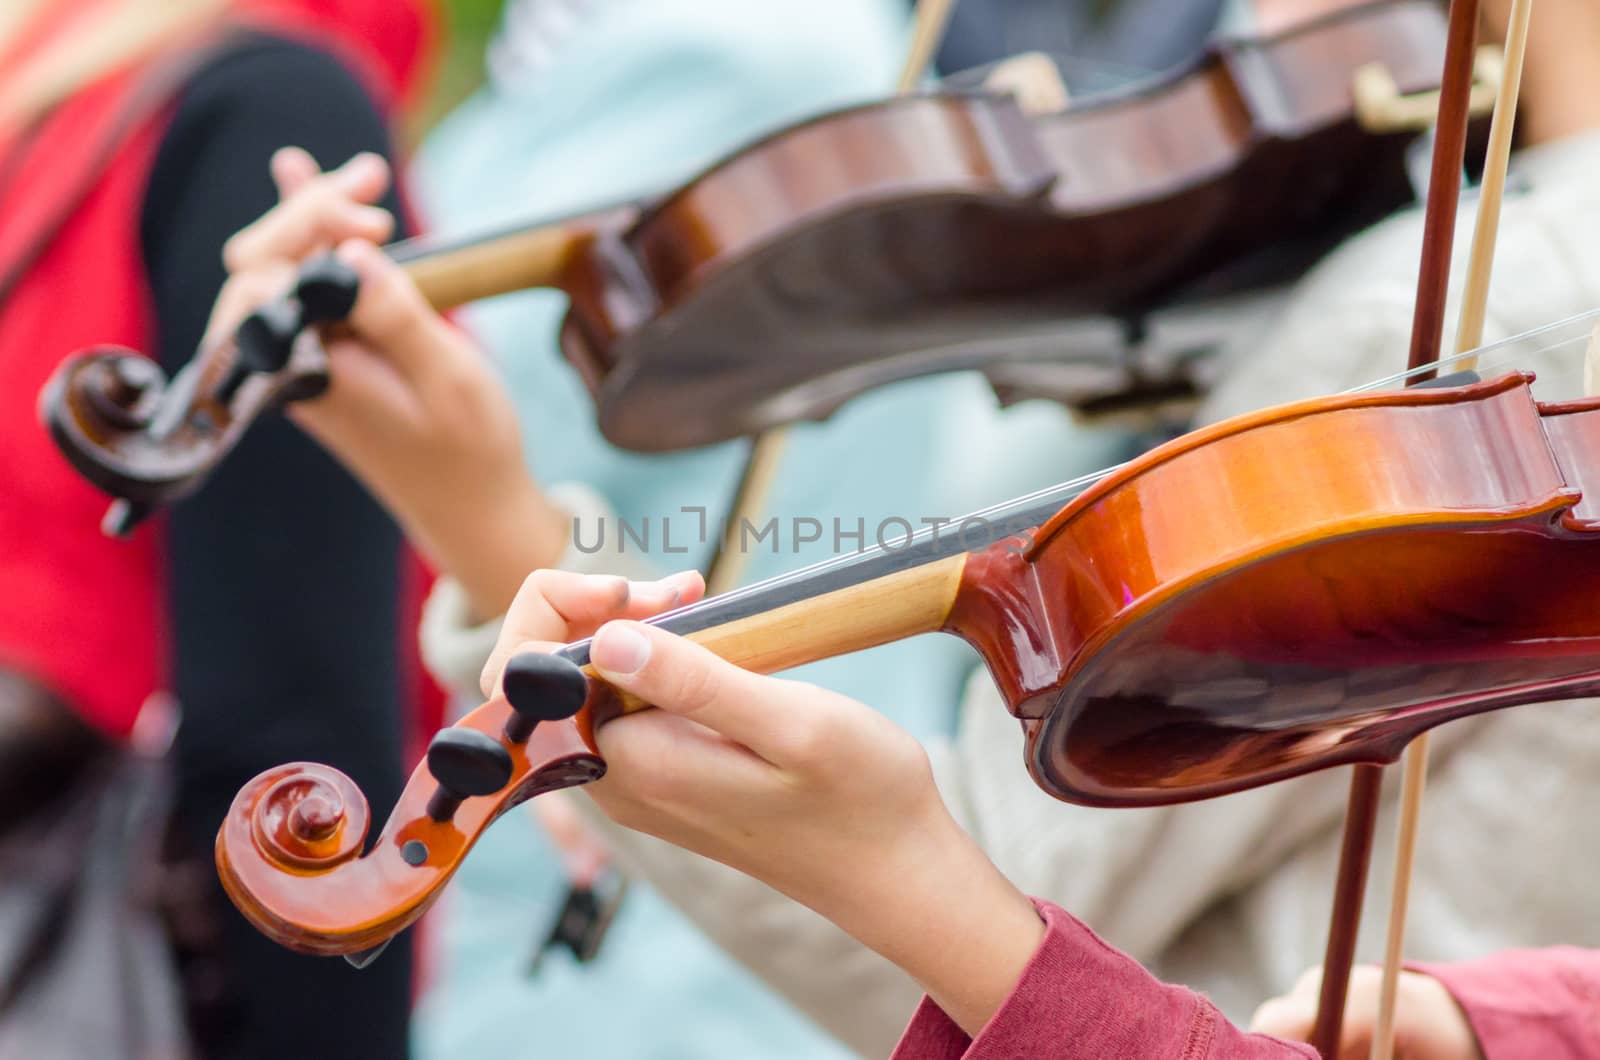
{"x": 522, "y": 531}
{"x": 940, "y": 899}
{"x": 847, "y": 989}
{"x": 460, "y": 624}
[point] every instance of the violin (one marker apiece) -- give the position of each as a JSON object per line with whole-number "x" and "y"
{"x": 1287, "y": 591}
{"x": 930, "y": 232}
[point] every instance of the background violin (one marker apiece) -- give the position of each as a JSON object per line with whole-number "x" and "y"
{"x": 929, "y": 232}
{"x": 1209, "y": 617}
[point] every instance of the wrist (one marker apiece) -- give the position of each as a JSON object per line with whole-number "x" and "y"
{"x": 941, "y": 911}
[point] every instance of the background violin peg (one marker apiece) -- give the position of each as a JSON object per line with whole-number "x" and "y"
{"x": 326, "y": 290}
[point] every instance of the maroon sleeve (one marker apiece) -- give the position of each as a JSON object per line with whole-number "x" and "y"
{"x": 1529, "y": 1004}
{"x": 1080, "y": 999}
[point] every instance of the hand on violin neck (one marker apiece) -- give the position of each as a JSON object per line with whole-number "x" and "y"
{"x": 812, "y": 793}
{"x": 417, "y": 412}
{"x": 413, "y": 408}
{"x": 555, "y": 607}
{"x": 316, "y": 211}
{"x": 1429, "y": 1025}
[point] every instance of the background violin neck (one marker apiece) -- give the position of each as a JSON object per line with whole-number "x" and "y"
{"x": 854, "y": 618}
{"x": 506, "y": 263}
{"x": 516, "y": 259}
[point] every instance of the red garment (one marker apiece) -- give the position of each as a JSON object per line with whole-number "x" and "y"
{"x": 1080, "y": 999}
{"x": 80, "y": 613}
{"x": 1529, "y": 1004}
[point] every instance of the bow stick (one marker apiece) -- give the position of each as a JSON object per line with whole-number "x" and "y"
{"x": 766, "y": 449}
{"x": 1427, "y": 329}
{"x": 1469, "y": 335}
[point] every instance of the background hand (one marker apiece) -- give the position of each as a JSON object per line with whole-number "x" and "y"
{"x": 1429, "y": 1025}
{"x": 414, "y": 410}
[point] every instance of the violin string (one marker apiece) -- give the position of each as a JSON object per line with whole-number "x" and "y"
{"x": 1499, "y": 347}
{"x": 1503, "y": 353}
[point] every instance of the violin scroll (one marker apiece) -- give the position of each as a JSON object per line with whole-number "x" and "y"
{"x": 148, "y": 441}
{"x": 290, "y": 851}
{"x": 311, "y": 817}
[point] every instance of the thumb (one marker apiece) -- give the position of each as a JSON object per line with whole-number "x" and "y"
{"x": 683, "y": 678}
{"x": 358, "y": 417}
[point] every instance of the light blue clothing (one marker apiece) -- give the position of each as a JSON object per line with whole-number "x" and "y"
{"x": 641, "y": 95}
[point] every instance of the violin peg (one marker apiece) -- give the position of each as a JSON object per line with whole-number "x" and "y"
{"x": 266, "y": 337}
{"x": 263, "y": 343}
{"x": 540, "y": 688}
{"x": 326, "y": 290}
{"x": 465, "y": 762}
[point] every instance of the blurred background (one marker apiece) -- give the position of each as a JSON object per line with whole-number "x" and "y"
{"x": 467, "y": 26}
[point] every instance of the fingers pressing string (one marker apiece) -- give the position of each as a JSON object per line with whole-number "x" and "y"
{"x": 557, "y": 606}
{"x": 684, "y": 678}
{"x": 320, "y": 211}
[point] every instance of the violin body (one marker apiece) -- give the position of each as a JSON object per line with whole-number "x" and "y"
{"x": 952, "y": 231}
{"x": 1220, "y": 615}
{"x": 1300, "y": 588}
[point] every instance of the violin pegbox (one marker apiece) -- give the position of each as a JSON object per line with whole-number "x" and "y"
{"x": 541, "y": 687}
{"x": 290, "y": 850}
{"x": 325, "y": 292}
{"x": 148, "y": 441}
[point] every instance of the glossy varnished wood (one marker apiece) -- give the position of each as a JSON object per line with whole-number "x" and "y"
{"x": 154, "y": 442}
{"x": 318, "y": 894}
{"x": 947, "y": 231}
{"x": 1312, "y": 585}
{"x": 846, "y": 620}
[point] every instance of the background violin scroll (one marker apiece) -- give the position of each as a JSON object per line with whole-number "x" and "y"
{"x": 149, "y": 441}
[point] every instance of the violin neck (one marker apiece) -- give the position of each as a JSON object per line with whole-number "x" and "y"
{"x": 835, "y": 608}
{"x": 885, "y": 609}
{"x": 515, "y": 259}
